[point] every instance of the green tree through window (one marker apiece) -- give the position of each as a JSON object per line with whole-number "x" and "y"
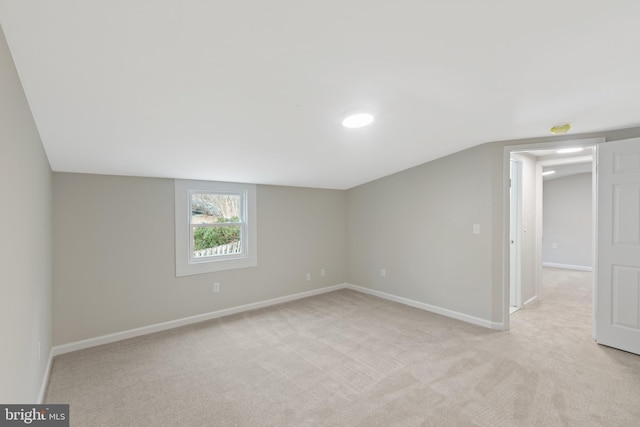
{"x": 211, "y": 237}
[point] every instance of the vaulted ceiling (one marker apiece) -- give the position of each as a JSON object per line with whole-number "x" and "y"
{"x": 255, "y": 91}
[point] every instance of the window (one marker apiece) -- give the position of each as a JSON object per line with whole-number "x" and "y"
{"x": 215, "y": 226}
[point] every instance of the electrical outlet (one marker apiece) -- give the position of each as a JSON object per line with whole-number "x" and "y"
{"x": 216, "y": 287}
{"x": 323, "y": 272}
{"x": 476, "y": 228}
{"x": 308, "y": 277}
{"x": 383, "y": 272}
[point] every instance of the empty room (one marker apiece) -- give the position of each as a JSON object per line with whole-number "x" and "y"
{"x": 320, "y": 214}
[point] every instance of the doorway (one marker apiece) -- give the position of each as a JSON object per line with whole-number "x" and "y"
{"x": 525, "y": 197}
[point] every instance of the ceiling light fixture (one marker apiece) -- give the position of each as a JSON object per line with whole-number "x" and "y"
{"x": 548, "y": 173}
{"x": 558, "y": 130}
{"x": 569, "y": 150}
{"x": 357, "y": 120}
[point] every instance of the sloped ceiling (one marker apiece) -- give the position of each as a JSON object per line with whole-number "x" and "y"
{"x": 254, "y": 91}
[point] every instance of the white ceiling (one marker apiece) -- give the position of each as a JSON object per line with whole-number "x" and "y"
{"x": 562, "y": 171}
{"x": 254, "y": 91}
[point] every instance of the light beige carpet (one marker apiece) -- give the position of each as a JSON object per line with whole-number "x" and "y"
{"x": 348, "y": 359}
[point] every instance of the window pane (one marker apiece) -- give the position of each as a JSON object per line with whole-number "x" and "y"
{"x": 213, "y": 241}
{"x": 215, "y": 208}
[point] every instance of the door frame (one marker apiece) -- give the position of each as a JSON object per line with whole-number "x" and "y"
{"x": 515, "y": 222}
{"x": 506, "y": 258}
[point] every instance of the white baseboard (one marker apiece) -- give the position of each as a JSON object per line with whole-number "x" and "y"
{"x": 131, "y": 333}
{"x": 45, "y": 379}
{"x": 119, "y": 336}
{"x": 568, "y": 266}
{"x": 428, "y": 307}
{"x": 531, "y": 300}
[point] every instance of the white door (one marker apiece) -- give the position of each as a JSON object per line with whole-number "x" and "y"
{"x": 618, "y": 265}
{"x": 514, "y": 231}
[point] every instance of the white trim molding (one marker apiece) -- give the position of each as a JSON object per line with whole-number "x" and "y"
{"x": 158, "y": 327}
{"x": 45, "y": 379}
{"x": 568, "y": 266}
{"x": 248, "y": 257}
{"x": 428, "y": 307}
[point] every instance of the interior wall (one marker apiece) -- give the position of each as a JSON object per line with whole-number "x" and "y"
{"x": 567, "y": 221}
{"x": 114, "y": 263}
{"x": 528, "y": 237}
{"x": 25, "y": 246}
{"x": 418, "y": 226}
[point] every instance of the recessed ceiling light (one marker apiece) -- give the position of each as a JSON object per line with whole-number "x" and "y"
{"x": 357, "y": 120}
{"x": 561, "y": 129}
{"x": 569, "y": 150}
{"x": 548, "y": 173}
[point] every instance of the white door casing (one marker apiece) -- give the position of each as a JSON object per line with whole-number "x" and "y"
{"x": 515, "y": 195}
{"x": 618, "y": 258}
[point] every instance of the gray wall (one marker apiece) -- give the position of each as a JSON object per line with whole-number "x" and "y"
{"x": 114, "y": 263}
{"x": 418, "y": 225}
{"x": 567, "y": 220}
{"x": 25, "y": 243}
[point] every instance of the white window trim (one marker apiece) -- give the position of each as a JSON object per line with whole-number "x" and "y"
{"x": 185, "y": 266}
